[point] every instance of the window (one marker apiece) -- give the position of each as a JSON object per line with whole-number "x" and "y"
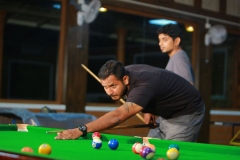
{"x": 223, "y": 83}
{"x": 30, "y": 49}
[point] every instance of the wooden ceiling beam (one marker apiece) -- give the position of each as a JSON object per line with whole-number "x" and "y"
{"x": 194, "y": 10}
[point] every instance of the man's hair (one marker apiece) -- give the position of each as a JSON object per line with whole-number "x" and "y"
{"x": 112, "y": 67}
{"x": 171, "y": 30}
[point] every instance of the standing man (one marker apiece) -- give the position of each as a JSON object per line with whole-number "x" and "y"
{"x": 170, "y": 43}
{"x": 149, "y": 90}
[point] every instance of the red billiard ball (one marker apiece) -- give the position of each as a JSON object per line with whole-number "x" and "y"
{"x": 44, "y": 149}
{"x": 141, "y": 150}
{"x": 113, "y": 144}
{"x": 27, "y": 149}
{"x": 96, "y": 134}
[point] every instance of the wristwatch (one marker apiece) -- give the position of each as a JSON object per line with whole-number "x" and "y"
{"x": 83, "y": 129}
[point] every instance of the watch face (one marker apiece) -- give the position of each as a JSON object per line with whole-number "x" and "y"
{"x": 83, "y": 127}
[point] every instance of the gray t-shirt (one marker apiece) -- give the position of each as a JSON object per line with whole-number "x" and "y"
{"x": 179, "y": 63}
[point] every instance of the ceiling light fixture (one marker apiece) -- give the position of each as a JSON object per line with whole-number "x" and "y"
{"x": 102, "y": 9}
{"x": 189, "y": 28}
{"x": 161, "y": 22}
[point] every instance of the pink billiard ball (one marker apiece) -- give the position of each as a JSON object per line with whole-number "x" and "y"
{"x": 137, "y": 147}
{"x": 96, "y": 134}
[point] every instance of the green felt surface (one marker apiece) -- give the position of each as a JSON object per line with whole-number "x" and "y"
{"x": 13, "y": 141}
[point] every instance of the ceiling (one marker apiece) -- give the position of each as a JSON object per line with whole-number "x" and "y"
{"x": 33, "y": 13}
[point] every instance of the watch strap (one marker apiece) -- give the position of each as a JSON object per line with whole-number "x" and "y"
{"x": 83, "y": 129}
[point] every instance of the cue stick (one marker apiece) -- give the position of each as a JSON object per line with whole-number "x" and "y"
{"x": 121, "y": 127}
{"x": 136, "y": 126}
{"x": 147, "y": 138}
{"x": 121, "y": 100}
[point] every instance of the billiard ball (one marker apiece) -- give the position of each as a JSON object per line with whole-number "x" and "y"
{"x": 97, "y": 143}
{"x": 136, "y": 147}
{"x": 141, "y": 150}
{"x": 172, "y": 154}
{"x": 160, "y": 159}
{"x": 96, "y": 138}
{"x": 27, "y": 149}
{"x": 113, "y": 144}
{"x": 147, "y": 153}
{"x": 151, "y": 146}
{"x": 173, "y": 146}
{"x": 44, "y": 149}
{"x": 96, "y": 134}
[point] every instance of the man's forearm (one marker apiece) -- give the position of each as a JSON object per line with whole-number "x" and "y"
{"x": 107, "y": 121}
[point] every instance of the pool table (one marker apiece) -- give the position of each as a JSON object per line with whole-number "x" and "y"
{"x": 13, "y": 138}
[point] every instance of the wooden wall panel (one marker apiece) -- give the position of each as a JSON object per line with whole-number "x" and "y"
{"x": 2, "y": 17}
{"x": 213, "y": 11}
{"x": 76, "y": 76}
{"x": 236, "y": 77}
{"x": 186, "y": 2}
{"x": 204, "y": 84}
{"x": 212, "y": 5}
{"x": 233, "y": 8}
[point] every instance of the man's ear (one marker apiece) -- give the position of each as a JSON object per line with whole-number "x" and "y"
{"x": 177, "y": 41}
{"x": 126, "y": 80}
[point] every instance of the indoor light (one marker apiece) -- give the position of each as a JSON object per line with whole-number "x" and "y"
{"x": 161, "y": 21}
{"x": 102, "y": 9}
{"x": 189, "y": 28}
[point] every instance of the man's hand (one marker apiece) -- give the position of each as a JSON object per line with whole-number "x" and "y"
{"x": 149, "y": 118}
{"x": 69, "y": 134}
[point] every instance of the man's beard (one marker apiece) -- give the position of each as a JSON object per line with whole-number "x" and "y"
{"x": 124, "y": 96}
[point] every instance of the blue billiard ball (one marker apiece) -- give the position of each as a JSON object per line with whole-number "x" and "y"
{"x": 173, "y": 146}
{"x": 113, "y": 144}
{"x": 96, "y": 143}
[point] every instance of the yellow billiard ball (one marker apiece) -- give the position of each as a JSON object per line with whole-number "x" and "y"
{"x": 44, "y": 149}
{"x": 172, "y": 154}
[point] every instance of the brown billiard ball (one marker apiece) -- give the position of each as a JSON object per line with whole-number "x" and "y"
{"x": 27, "y": 149}
{"x": 44, "y": 149}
